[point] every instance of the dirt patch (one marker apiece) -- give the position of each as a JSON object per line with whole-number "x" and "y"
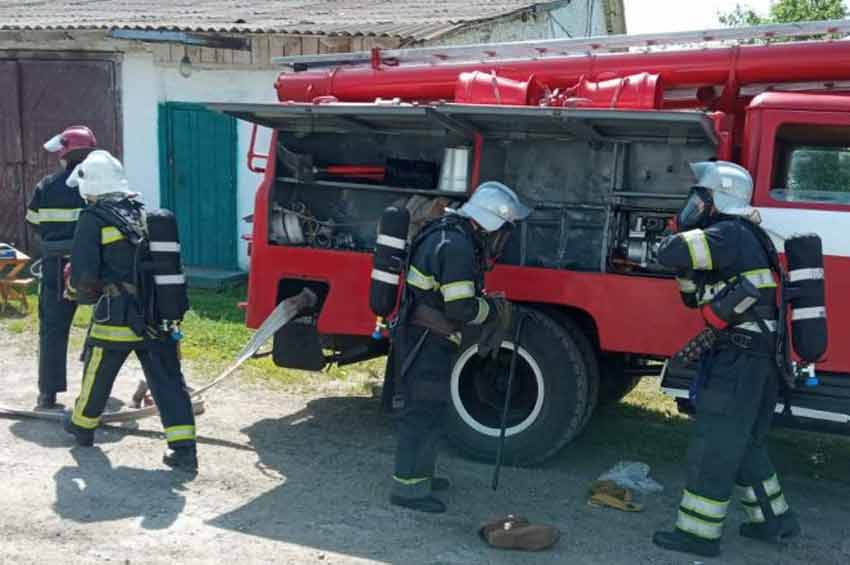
{"x": 304, "y": 479}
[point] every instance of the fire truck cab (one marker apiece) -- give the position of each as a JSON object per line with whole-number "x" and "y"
{"x": 602, "y": 164}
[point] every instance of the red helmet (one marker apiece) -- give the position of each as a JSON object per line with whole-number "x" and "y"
{"x": 75, "y": 138}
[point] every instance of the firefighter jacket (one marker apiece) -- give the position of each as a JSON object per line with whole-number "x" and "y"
{"x": 105, "y": 272}
{"x": 709, "y": 259}
{"x": 53, "y": 211}
{"x": 445, "y": 273}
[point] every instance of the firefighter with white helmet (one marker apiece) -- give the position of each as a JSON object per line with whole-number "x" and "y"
{"x": 112, "y": 260}
{"x": 727, "y": 267}
{"x": 53, "y": 212}
{"x": 444, "y": 296}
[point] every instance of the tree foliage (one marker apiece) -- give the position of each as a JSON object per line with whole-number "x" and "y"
{"x": 786, "y": 11}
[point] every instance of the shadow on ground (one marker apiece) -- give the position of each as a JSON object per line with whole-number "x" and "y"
{"x": 95, "y": 491}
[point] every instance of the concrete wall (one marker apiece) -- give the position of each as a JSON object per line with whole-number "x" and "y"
{"x": 144, "y": 86}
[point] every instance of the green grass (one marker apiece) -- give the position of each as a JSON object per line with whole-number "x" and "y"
{"x": 646, "y": 426}
{"x": 214, "y": 334}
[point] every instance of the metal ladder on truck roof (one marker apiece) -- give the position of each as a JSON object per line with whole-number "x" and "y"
{"x": 546, "y": 48}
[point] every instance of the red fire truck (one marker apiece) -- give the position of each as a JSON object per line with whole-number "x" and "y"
{"x": 595, "y": 135}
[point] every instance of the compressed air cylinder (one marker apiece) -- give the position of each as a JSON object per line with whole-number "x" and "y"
{"x": 389, "y": 260}
{"x": 806, "y": 296}
{"x": 169, "y": 281}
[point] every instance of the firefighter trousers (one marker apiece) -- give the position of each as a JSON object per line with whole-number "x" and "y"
{"x": 734, "y": 410}
{"x": 55, "y": 315}
{"x": 161, "y": 365}
{"x": 420, "y": 423}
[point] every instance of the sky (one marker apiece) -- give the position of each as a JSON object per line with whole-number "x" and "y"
{"x": 653, "y": 16}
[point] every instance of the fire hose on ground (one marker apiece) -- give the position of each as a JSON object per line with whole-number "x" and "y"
{"x": 285, "y": 312}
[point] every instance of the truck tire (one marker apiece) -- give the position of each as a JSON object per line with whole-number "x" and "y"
{"x": 549, "y": 397}
{"x": 615, "y": 382}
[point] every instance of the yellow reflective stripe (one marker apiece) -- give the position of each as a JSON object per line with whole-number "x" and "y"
{"x": 85, "y": 392}
{"x": 754, "y": 513}
{"x": 109, "y": 235}
{"x": 700, "y": 528}
{"x": 704, "y": 506}
{"x": 179, "y": 433}
{"x": 698, "y": 249}
{"x": 121, "y": 334}
{"x": 761, "y": 278}
{"x": 686, "y": 286}
{"x": 458, "y": 290}
{"x": 33, "y": 217}
{"x": 746, "y": 494}
{"x": 416, "y": 278}
{"x": 779, "y": 505}
{"x": 771, "y": 486}
{"x": 483, "y": 312}
{"x": 58, "y": 214}
{"x": 415, "y": 481}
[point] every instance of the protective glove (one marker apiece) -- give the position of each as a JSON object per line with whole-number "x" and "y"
{"x": 497, "y": 327}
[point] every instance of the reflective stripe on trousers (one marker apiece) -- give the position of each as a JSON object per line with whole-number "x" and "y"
{"x": 77, "y": 416}
{"x": 701, "y": 516}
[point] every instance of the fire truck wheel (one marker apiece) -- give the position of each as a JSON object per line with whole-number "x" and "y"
{"x": 615, "y": 383}
{"x": 549, "y": 395}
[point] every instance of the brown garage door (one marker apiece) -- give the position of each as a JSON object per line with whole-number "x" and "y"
{"x": 47, "y": 96}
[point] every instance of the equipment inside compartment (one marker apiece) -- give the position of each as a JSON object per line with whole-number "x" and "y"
{"x": 597, "y": 205}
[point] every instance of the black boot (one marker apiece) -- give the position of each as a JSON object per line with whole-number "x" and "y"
{"x": 84, "y": 437}
{"x": 425, "y": 504}
{"x": 777, "y": 531}
{"x": 686, "y": 543}
{"x": 47, "y": 401}
{"x": 182, "y": 459}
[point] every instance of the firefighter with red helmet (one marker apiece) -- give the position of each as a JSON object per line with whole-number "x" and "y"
{"x": 53, "y": 212}
{"x": 443, "y": 297}
{"x": 117, "y": 261}
{"x": 726, "y": 264}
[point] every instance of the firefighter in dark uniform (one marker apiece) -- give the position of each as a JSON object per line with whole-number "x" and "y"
{"x": 107, "y": 270}
{"x": 53, "y": 212}
{"x": 443, "y": 295}
{"x": 718, "y": 250}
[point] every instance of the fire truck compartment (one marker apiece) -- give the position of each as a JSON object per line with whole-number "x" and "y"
{"x": 600, "y": 182}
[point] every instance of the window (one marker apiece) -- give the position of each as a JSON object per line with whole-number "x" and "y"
{"x": 812, "y": 164}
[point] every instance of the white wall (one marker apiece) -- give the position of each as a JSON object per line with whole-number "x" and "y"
{"x": 144, "y": 86}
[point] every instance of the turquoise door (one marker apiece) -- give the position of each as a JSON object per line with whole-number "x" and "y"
{"x": 197, "y": 156}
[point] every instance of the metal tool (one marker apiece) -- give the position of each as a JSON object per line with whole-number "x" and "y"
{"x": 506, "y": 407}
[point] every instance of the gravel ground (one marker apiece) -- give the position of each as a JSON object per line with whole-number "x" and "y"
{"x": 303, "y": 479}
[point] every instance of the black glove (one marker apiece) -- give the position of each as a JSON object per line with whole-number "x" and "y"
{"x": 496, "y": 328}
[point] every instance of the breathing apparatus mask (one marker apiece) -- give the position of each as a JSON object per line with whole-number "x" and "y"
{"x": 697, "y": 210}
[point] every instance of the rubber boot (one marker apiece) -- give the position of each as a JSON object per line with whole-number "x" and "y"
{"x": 182, "y": 459}
{"x": 678, "y": 540}
{"x": 84, "y": 437}
{"x": 779, "y": 530}
{"x": 425, "y": 504}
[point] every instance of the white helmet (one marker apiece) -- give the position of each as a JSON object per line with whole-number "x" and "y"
{"x": 731, "y": 186}
{"x": 100, "y": 173}
{"x": 492, "y": 205}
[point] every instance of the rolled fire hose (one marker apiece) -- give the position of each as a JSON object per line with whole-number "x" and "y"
{"x": 285, "y": 312}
